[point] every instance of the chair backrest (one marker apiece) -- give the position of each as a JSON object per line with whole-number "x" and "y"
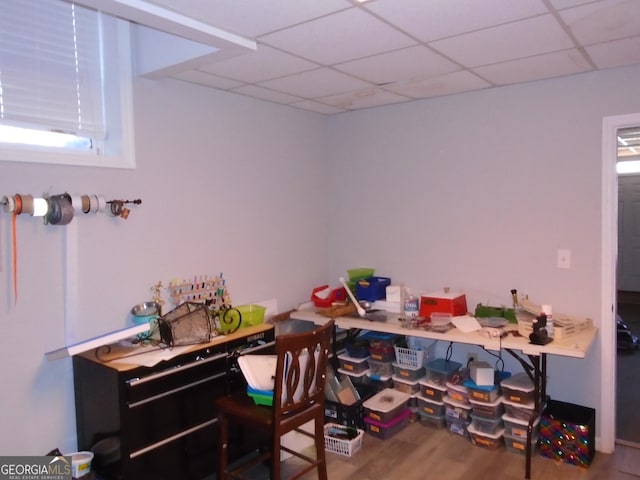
{"x": 301, "y": 369}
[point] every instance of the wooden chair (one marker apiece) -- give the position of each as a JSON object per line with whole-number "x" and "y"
{"x": 298, "y": 398}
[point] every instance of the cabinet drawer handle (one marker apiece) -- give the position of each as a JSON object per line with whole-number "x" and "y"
{"x": 258, "y": 348}
{"x": 175, "y": 390}
{"x": 138, "y": 381}
{"x": 184, "y": 433}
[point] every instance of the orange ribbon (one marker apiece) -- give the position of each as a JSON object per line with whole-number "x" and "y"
{"x": 17, "y": 211}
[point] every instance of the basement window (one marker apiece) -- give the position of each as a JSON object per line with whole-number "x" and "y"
{"x": 65, "y": 85}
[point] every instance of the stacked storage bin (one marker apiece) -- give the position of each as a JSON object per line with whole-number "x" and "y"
{"x": 354, "y": 365}
{"x": 456, "y": 403}
{"x": 430, "y": 403}
{"x": 518, "y": 399}
{"x": 487, "y": 427}
{"x": 409, "y": 370}
{"x": 381, "y": 358}
{"x": 386, "y": 413}
{"x": 355, "y": 368}
{"x": 435, "y": 403}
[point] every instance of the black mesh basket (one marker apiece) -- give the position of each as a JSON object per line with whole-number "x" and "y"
{"x": 188, "y": 324}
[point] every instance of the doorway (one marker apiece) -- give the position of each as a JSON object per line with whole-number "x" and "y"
{"x": 628, "y": 287}
{"x": 608, "y": 259}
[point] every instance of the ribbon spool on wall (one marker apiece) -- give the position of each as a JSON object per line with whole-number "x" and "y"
{"x": 60, "y": 210}
{"x": 56, "y": 210}
{"x": 19, "y": 204}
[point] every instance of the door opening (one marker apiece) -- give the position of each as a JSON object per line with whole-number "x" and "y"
{"x": 628, "y": 287}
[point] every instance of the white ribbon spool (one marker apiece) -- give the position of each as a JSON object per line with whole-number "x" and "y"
{"x": 40, "y": 207}
{"x": 102, "y": 204}
{"x": 94, "y": 203}
{"x": 76, "y": 202}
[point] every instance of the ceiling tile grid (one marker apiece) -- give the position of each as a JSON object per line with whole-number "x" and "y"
{"x": 331, "y": 56}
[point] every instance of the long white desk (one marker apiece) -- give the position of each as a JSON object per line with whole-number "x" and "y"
{"x": 519, "y": 347}
{"x": 575, "y": 346}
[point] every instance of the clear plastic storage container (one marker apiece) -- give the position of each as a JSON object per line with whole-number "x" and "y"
{"x": 431, "y": 390}
{"x": 387, "y": 429}
{"x": 386, "y": 405}
{"x": 408, "y": 373}
{"x": 518, "y": 388}
{"x": 490, "y": 441}
{"x": 353, "y": 364}
{"x": 440, "y": 371}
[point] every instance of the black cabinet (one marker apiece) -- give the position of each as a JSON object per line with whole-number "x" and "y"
{"x": 162, "y": 417}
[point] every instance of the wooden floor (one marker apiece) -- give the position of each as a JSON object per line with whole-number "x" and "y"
{"x": 420, "y": 453}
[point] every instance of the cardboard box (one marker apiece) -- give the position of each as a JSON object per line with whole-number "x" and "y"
{"x": 482, "y": 373}
{"x": 443, "y": 302}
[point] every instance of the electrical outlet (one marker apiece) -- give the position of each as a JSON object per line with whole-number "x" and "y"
{"x": 471, "y": 357}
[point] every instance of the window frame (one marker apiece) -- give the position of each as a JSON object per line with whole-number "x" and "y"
{"x": 117, "y": 150}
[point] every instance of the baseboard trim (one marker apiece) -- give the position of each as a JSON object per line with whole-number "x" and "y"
{"x": 626, "y": 443}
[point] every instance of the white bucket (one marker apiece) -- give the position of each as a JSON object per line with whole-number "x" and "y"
{"x": 80, "y": 463}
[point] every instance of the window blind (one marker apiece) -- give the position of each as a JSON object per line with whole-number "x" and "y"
{"x": 50, "y": 67}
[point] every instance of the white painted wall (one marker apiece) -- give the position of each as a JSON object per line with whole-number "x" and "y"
{"x": 478, "y": 192}
{"x": 475, "y": 191}
{"x": 228, "y": 184}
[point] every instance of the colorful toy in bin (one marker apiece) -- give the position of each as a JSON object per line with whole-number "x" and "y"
{"x": 324, "y": 296}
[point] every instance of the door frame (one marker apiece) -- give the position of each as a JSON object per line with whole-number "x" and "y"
{"x": 609, "y": 258}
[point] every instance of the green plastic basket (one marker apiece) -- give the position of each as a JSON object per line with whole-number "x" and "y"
{"x": 252, "y": 314}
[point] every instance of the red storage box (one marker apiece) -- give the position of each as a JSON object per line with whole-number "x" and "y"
{"x": 335, "y": 295}
{"x": 443, "y": 302}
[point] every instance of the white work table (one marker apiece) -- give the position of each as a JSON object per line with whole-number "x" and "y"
{"x": 575, "y": 346}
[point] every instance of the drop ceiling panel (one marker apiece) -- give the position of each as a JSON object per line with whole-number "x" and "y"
{"x": 363, "y": 99}
{"x": 316, "y": 107}
{"x": 429, "y": 20}
{"x": 449, "y": 84}
{"x": 603, "y": 21}
{"x": 356, "y": 55}
{"x": 407, "y": 63}
{"x": 316, "y": 83}
{"x": 206, "y": 79}
{"x": 266, "y": 94}
{"x": 560, "y": 4}
{"x": 526, "y": 38}
{"x": 253, "y": 18}
{"x": 616, "y": 53}
{"x": 548, "y": 65}
{"x": 264, "y": 64}
{"x": 339, "y": 37}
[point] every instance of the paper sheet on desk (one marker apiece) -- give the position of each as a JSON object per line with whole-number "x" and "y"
{"x": 466, "y": 323}
{"x": 152, "y": 357}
